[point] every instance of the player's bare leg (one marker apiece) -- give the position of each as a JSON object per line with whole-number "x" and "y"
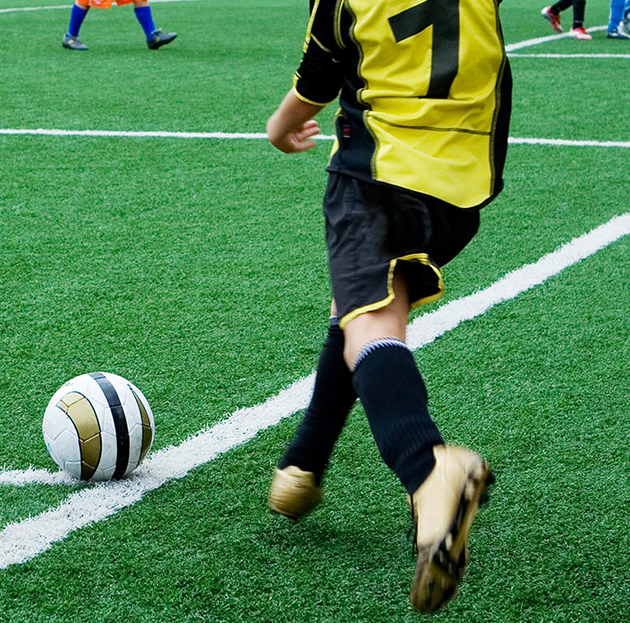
{"x": 446, "y": 484}
{"x": 387, "y": 322}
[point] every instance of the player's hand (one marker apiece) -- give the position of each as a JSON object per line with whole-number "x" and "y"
{"x": 294, "y": 141}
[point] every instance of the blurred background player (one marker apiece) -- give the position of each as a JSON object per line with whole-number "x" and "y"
{"x": 155, "y": 37}
{"x": 552, "y": 15}
{"x": 421, "y": 143}
{"x": 618, "y": 23}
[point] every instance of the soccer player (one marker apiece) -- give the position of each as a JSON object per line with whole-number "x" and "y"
{"x": 552, "y": 15}
{"x": 155, "y": 37}
{"x": 618, "y": 22}
{"x": 421, "y": 143}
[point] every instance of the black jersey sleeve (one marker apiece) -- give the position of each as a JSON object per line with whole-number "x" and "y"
{"x": 319, "y": 78}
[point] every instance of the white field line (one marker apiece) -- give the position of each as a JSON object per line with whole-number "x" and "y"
{"x": 262, "y": 136}
{"x": 23, "y": 540}
{"x": 36, "y": 8}
{"x": 528, "y": 43}
{"x": 560, "y": 142}
{"x": 31, "y": 476}
{"x": 140, "y": 134}
{"x": 69, "y": 6}
{"x": 509, "y": 47}
{"x": 569, "y": 55}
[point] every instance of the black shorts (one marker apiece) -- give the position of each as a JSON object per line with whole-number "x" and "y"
{"x": 374, "y": 229}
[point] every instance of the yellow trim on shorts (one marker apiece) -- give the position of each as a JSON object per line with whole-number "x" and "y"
{"x": 423, "y": 258}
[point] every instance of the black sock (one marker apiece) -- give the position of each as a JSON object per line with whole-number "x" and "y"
{"x": 395, "y": 400}
{"x": 560, "y": 6}
{"x": 579, "y": 10}
{"x": 333, "y": 397}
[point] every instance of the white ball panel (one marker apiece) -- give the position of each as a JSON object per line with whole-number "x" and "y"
{"x": 134, "y": 426}
{"x": 103, "y": 474}
{"x": 48, "y": 441}
{"x": 109, "y": 451}
{"x": 66, "y": 447}
{"x": 73, "y": 468}
{"x": 55, "y": 421}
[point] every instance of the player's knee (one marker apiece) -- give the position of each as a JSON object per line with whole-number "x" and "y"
{"x": 349, "y": 355}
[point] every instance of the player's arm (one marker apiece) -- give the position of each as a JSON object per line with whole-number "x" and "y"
{"x": 292, "y": 127}
{"x": 316, "y": 83}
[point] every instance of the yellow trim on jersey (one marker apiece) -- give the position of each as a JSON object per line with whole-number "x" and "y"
{"x": 307, "y": 39}
{"x": 422, "y": 258}
{"x": 495, "y": 119}
{"x": 338, "y": 36}
{"x": 320, "y": 44}
{"x": 335, "y": 146}
{"x": 305, "y": 99}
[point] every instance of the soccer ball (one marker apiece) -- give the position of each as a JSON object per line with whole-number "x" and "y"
{"x": 98, "y": 426}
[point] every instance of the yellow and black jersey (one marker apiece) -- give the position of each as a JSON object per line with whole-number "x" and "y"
{"x": 424, "y": 88}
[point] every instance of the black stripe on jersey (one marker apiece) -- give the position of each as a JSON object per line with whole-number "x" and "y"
{"x": 357, "y": 145}
{"x": 120, "y": 423}
{"x": 501, "y": 120}
{"x": 443, "y": 15}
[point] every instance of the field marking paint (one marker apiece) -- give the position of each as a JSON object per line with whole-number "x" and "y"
{"x": 510, "y": 47}
{"x": 569, "y": 55}
{"x": 69, "y": 6}
{"x": 141, "y": 134}
{"x": 556, "y": 142}
{"x": 36, "y": 8}
{"x": 560, "y": 142}
{"x": 23, "y": 540}
{"x": 30, "y": 476}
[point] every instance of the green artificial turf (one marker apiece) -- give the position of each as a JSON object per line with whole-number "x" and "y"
{"x": 197, "y": 269}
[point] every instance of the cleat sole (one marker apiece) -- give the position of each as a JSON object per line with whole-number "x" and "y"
{"x": 443, "y": 565}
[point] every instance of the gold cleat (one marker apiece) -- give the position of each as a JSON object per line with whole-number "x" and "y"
{"x": 443, "y": 508}
{"x": 294, "y": 492}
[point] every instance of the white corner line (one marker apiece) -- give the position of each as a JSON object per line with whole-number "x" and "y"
{"x": 25, "y": 539}
{"x": 510, "y": 47}
{"x": 31, "y": 476}
{"x": 69, "y": 6}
